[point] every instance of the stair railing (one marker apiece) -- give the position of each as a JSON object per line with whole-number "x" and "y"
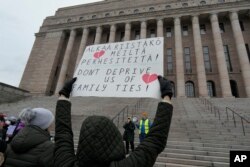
{"x": 241, "y": 118}
{"x": 125, "y": 111}
{"x": 215, "y": 109}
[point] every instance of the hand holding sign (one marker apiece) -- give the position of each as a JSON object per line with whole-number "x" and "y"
{"x": 67, "y": 88}
{"x": 166, "y": 87}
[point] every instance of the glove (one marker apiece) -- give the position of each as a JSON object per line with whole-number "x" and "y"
{"x": 166, "y": 87}
{"x": 67, "y": 88}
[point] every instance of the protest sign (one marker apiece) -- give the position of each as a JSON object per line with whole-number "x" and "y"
{"x": 122, "y": 69}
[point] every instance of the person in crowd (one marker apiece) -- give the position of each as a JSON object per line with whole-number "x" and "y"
{"x": 129, "y": 134}
{"x": 2, "y": 117}
{"x": 11, "y": 122}
{"x": 3, "y": 144}
{"x": 143, "y": 126}
{"x": 32, "y": 146}
{"x": 13, "y": 128}
{"x": 2, "y": 137}
{"x": 100, "y": 142}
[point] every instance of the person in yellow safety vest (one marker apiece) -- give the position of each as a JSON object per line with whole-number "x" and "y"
{"x": 144, "y": 126}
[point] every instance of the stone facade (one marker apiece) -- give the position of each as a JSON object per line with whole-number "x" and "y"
{"x": 10, "y": 94}
{"x": 205, "y": 52}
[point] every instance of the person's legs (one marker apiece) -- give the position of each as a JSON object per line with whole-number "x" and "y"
{"x": 142, "y": 137}
{"x": 127, "y": 147}
{"x": 132, "y": 145}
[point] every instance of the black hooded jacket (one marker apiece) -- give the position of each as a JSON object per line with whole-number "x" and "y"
{"x": 31, "y": 147}
{"x": 100, "y": 142}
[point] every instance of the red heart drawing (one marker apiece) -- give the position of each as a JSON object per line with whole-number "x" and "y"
{"x": 147, "y": 78}
{"x": 97, "y": 55}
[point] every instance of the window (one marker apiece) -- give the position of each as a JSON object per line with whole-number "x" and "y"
{"x": 122, "y": 36}
{"x": 94, "y": 16}
{"x": 107, "y": 37}
{"x": 234, "y": 88}
{"x": 81, "y": 18}
{"x": 137, "y": 34}
{"x": 136, "y": 11}
{"x": 203, "y": 29}
{"x": 185, "y": 30}
{"x": 207, "y": 59}
{"x": 152, "y": 33}
{"x": 228, "y": 60}
{"x": 185, "y": 5}
{"x": 168, "y": 7}
{"x": 173, "y": 88}
{"x": 168, "y": 32}
{"x": 69, "y": 20}
{"x": 221, "y": 1}
{"x": 222, "y": 29}
{"x": 189, "y": 88}
{"x": 94, "y": 34}
{"x": 121, "y": 12}
{"x": 187, "y": 60}
{"x": 107, "y": 15}
{"x": 242, "y": 26}
{"x": 203, "y": 2}
{"x": 211, "y": 88}
{"x": 169, "y": 60}
{"x": 151, "y": 9}
{"x": 248, "y": 52}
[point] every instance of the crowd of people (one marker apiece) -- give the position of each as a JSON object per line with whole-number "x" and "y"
{"x": 9, "y": 127}
{"x": 26, "y": 140}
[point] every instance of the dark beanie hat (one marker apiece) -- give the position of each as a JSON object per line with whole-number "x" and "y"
{"x": 100, "y": 142}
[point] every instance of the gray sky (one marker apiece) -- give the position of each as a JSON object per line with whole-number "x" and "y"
{"x": 20, "y": 20}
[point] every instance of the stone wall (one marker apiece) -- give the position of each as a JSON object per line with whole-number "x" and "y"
{"x": 11, "y": 94}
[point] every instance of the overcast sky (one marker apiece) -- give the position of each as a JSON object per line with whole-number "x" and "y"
{"x": 20, "y": 20}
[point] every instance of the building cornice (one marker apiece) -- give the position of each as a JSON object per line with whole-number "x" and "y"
{"x": 152, "y": 15}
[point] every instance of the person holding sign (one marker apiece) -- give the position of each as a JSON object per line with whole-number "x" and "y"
{"x": 100, "y": 142}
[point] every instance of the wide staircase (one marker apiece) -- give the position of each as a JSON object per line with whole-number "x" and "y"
{"x": 202, "y": 131}
{"x": 198, "y": 137}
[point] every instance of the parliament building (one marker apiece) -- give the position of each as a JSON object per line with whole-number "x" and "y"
{"x": 206, "y": 43}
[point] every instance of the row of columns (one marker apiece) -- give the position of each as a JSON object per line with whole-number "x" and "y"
{"x": 180, "y": 78}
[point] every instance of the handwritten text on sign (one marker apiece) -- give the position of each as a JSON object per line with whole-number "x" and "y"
{"x": 123, "y": 69}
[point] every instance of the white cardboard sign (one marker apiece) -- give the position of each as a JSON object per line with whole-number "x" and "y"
{"x": 122, "y": 69}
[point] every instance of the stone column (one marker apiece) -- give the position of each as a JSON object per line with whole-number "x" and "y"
{"x": 143, "y": 34}
{"x": 241, "y": 50}
{"x": 127, "y": 32}
{"x": 160, "y": 28}
{"x": 200, "y": 65}
{"x": 220, "y": 56}
{"x": 98, "y": 35}
{"x": 112, "y": 33}
{"x": 82, "y": 45}
{"x": 65, "y": 63}
{"x": 179, "y": 59}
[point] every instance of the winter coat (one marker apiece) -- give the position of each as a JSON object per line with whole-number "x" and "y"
{"x": 129, "y": 132}
{"x": 3, "y": 144}
{"x": 100, "y": 142}
{"x": 31, "y": 147}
